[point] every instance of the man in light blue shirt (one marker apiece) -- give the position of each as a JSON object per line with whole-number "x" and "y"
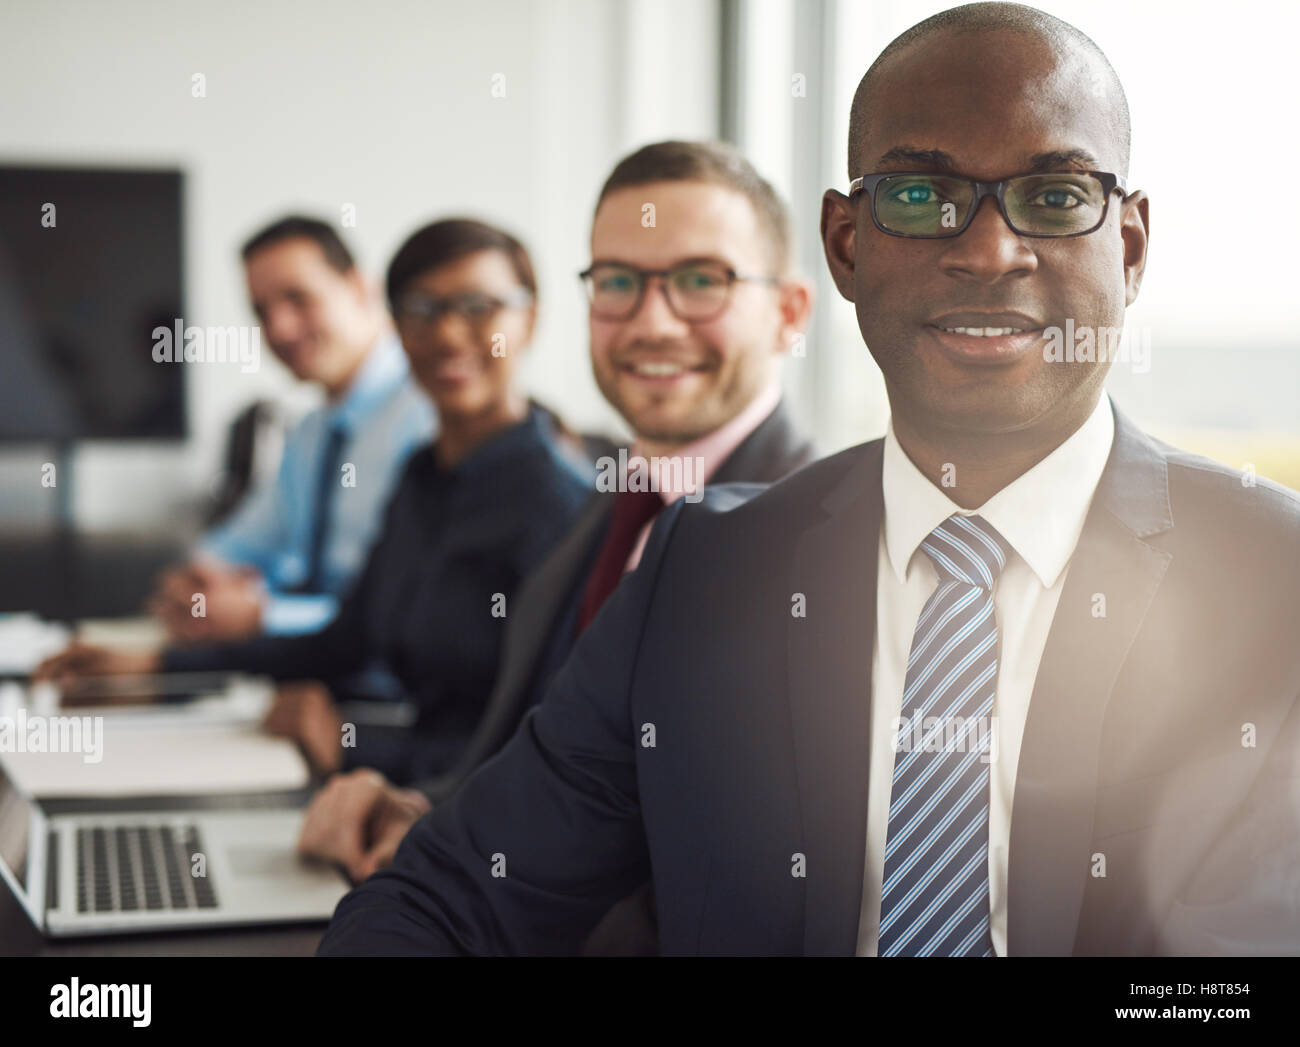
{"x": 282, "y": 559}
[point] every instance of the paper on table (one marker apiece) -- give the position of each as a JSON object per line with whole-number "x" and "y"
{"x": 25, "y": 641}
{"x": 155, "y": 759}
{"x": 127, "y": 633}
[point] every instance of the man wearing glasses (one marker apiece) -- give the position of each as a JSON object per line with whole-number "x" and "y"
{"x": 809, "y": 715}
{"x": 691, "y": 313}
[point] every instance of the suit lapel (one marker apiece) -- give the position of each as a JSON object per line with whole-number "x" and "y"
{"x": 829, "y": 690}
{"x": 765, "y": 455}
{"x": 1056, "y": 778}
{"x": 773, "y": 450}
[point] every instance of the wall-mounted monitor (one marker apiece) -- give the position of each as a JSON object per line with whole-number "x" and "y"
{"x": 90, "y": 264}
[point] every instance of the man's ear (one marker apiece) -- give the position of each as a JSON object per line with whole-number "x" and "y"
{"x": 1135, "y": 232}
{"x": 839, "y": 239}
{"x": 366, "y": 291}
{"x": 795, "y": 303}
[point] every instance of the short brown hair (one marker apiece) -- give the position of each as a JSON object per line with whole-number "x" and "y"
{"x": 714, "y": 162}
{"x": 434, "y": 245}
{"x": 302, "y": 227}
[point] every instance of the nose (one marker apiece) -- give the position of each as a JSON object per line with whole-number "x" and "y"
{"x": 447, "y": 330}
{"x": 988, "y": 249}
{"x": 447, "y": 326}
{"x": 282, "y": 324}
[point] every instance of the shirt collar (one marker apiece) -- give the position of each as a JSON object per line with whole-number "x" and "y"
{"x": 534, "y": 430}
{"x": 713, "y": 448}
{"x": 381, "y": 372}
{"x": 1040, "y": 513}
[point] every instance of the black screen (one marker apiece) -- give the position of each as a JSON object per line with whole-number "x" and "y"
{"x": 79, "y": 300}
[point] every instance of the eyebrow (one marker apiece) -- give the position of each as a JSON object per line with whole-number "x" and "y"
{"x": 1060, "y": 158}
{"x": 939, "y": 161}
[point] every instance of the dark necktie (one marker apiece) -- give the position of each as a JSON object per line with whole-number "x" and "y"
{"x": 326, "y": 484}
{"x": 935, "y": 892}
{"x": 632, "y": 511}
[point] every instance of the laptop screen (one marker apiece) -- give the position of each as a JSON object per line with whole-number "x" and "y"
{"x": 15, "y": 826}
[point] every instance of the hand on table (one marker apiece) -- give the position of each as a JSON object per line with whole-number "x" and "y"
{"x": 358, "y": 819}
{"x": 231, "y": 604}
{"x": 305, "y": 712}
{"x": 79, "y": 660}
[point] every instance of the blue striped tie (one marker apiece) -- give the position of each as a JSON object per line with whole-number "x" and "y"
{"x": 935, "y": 892}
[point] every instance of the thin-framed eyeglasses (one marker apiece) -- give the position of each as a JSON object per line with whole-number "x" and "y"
{"x": 474, "y": 307}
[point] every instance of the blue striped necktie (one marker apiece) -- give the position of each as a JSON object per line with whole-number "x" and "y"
{"x": 935, "y": 891}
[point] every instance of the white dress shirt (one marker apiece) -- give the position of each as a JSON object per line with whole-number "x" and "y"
{"x": 1041, "y": 515}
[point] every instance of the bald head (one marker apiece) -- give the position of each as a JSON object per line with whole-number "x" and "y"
{"x": 1068, "y": 55}
{"x": 987, "y": 93}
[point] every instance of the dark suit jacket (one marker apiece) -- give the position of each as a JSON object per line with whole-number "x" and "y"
{"x": 541, "y": 625}
{"x": 702, "y": 733}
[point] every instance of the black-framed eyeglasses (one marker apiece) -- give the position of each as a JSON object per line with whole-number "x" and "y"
{"x": 696, "y": 289}
{"x": 473, "y": 306}
{"x": 930, "y": 206}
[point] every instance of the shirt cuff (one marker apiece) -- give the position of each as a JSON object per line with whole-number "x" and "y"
{"x": 284, "y": 615}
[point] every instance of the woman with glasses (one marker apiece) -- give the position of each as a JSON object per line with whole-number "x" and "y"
{"x": 472, "y": 514}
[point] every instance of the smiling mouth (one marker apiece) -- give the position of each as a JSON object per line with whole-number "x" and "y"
{"x": 658, "y": 369}
{"x": 451, "y": 369}
{"x": 297, "y": 351}
{"x": 984, "y": 332}
{"x": 970, "y": 345}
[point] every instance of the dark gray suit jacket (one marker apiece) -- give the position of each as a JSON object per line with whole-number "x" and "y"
{"x": 1157, "y": 797}
{"x": 540, "y": 623}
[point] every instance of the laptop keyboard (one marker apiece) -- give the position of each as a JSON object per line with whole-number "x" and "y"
{"x": 140, "y": 868}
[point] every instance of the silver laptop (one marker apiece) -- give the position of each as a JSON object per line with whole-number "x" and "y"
{"x": 83, "y": 874}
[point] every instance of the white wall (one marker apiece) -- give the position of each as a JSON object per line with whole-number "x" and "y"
{"x": 386, "y": 106}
